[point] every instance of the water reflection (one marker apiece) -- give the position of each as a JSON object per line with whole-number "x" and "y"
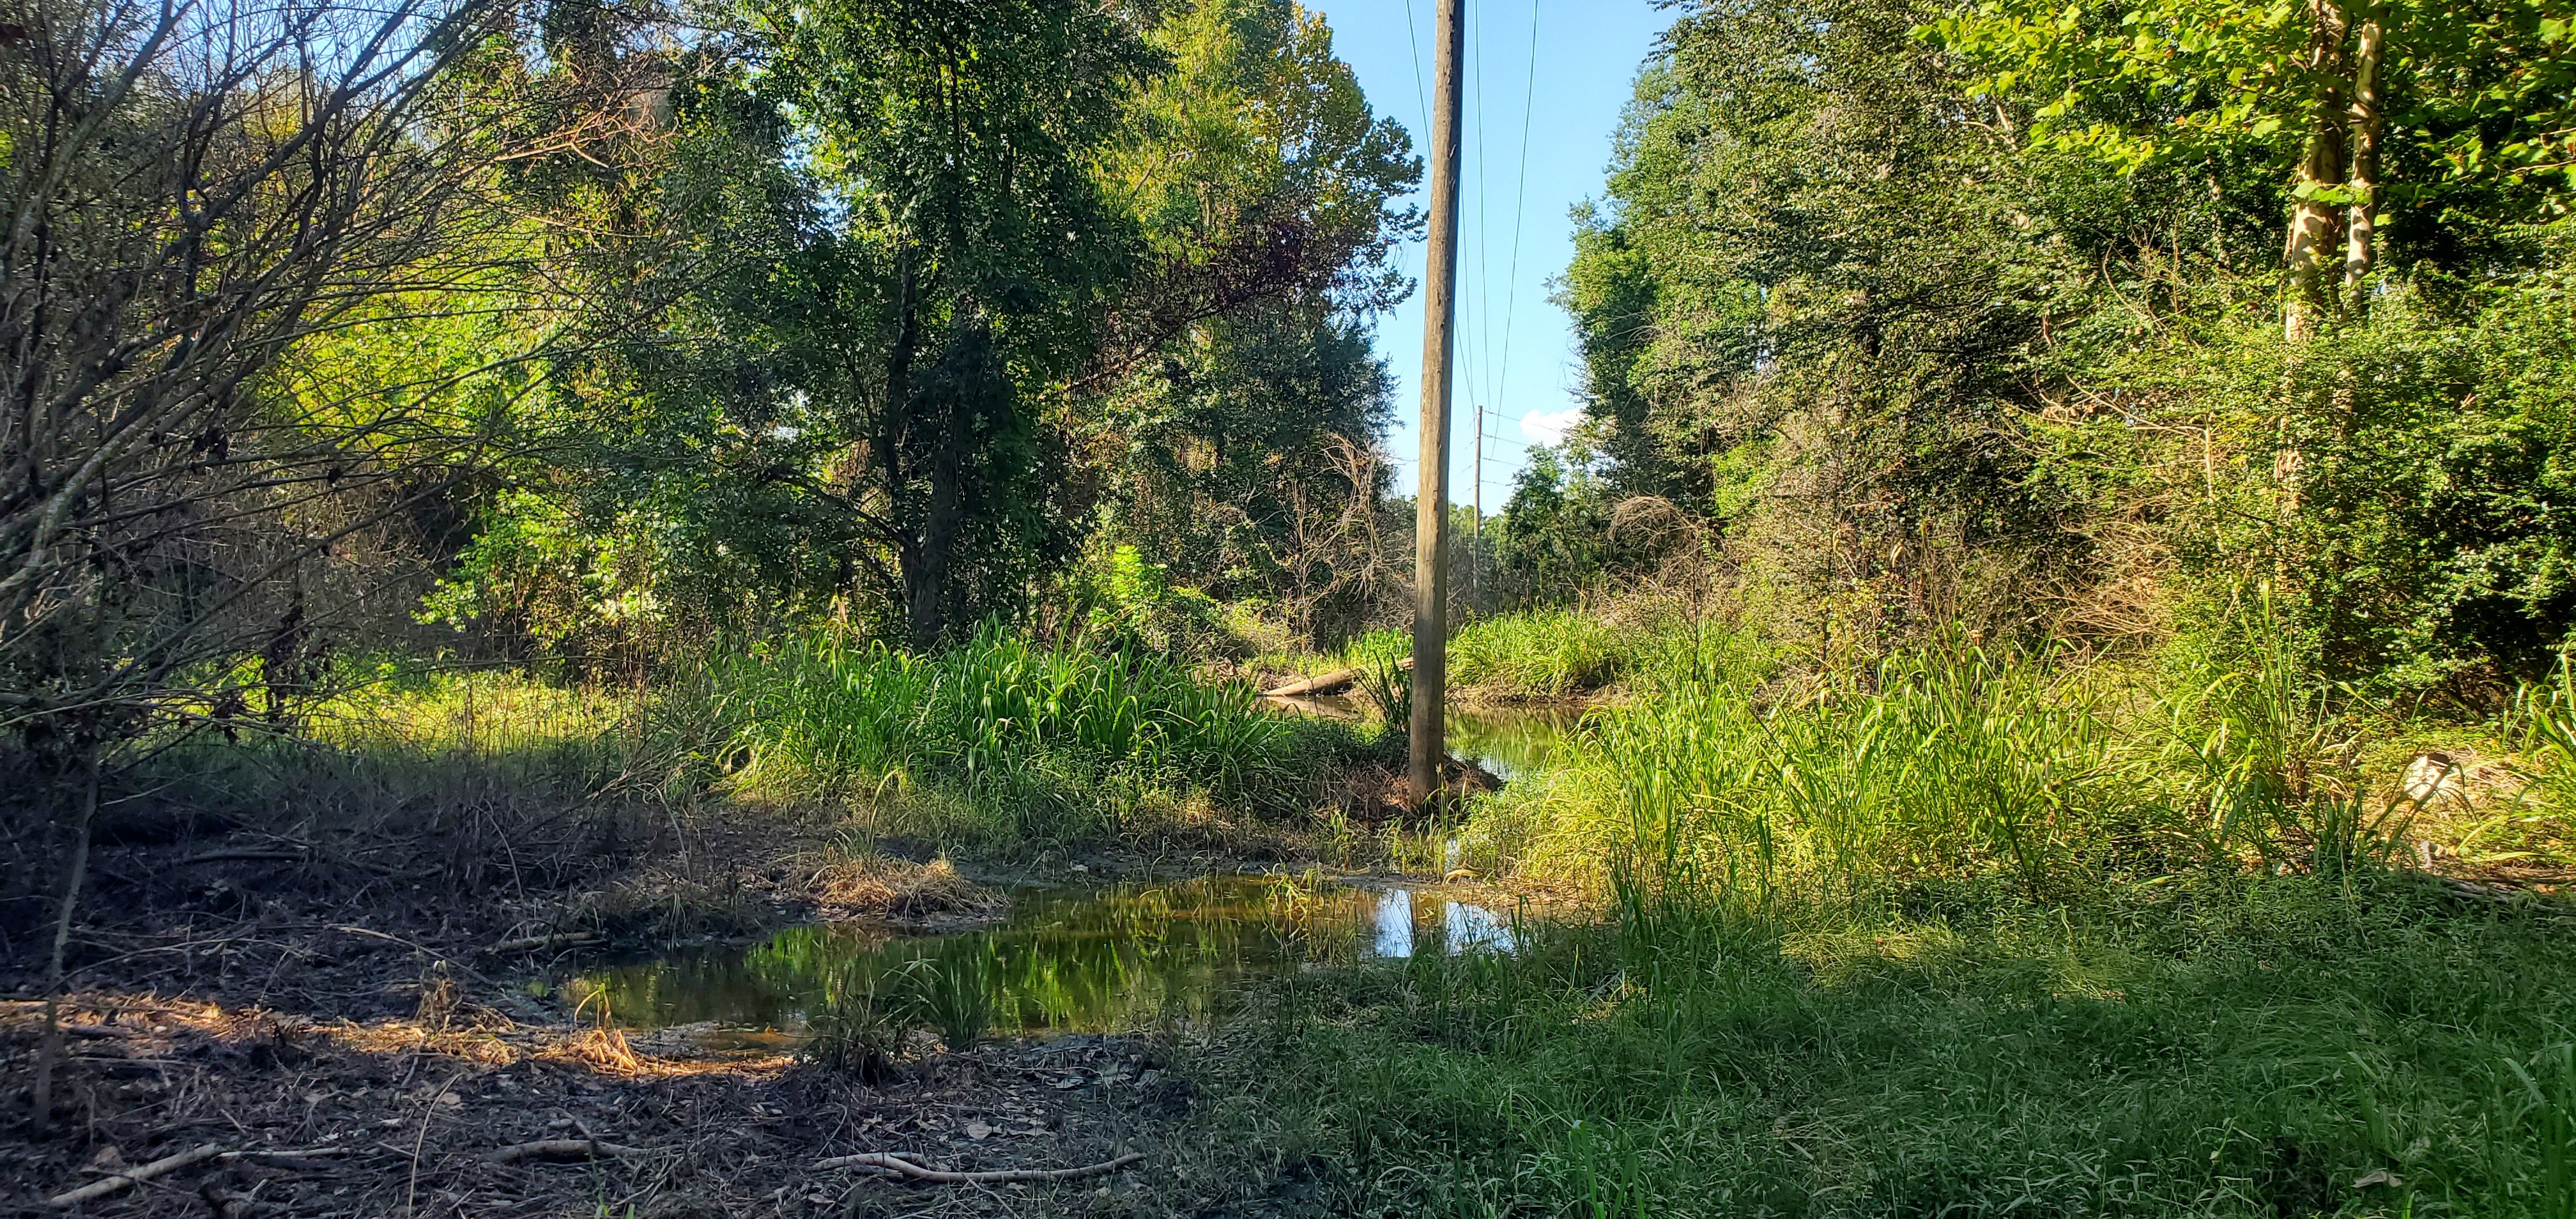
{"x": 1065, "y": 959}
{"x": 1395, "y": 923}
{"x": 1511, "y": 742}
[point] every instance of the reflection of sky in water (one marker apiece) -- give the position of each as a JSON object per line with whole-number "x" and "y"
{"x": 1088, "y": 959}
{"x": 1474, "y": 928}
{"x": 1395, "y": 923}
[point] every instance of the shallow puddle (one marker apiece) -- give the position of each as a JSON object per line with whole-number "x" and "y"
{"x": 1512, "y": 743}
{"x": 1092, "y": 959}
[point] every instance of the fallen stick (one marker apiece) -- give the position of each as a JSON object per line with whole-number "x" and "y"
{"x": 238, "y": 854}
{"x": 287, "y": 1153}
{"x": 1329, "y": 683}
{"x": 416, "y": 946}
{"x": 160, "y": 1167}
{"x": 535, "y": 943}
{"x": 97, "y": 1032}
{"x": 893, "y": 1162}
{"x": 560, "y": 1151}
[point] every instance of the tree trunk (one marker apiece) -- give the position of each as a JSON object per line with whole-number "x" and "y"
{"x": 49, "y": 1050}
{"x": 927, "y": 579}
{"x": 2321, "y": 169}
{"x": 2362, "y": 126}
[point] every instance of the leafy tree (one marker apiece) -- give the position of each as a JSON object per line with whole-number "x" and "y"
{"x": 2419, "y": 106}
{"x": 1246, "y": 454}
{"x": 941, "y": 313}
{"x": 1817, "y": 300}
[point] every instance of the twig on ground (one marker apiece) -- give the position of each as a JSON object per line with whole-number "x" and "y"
{"x": 101, "y": 1031}
{"x": 160, "y": 1167}
{"x": 287, "y": 1153}
{"x": 538, "y": 943}
{"x": 561, "y": 1151}
{"x": 234, "y": 854}
{"x": 893, "y": 1162}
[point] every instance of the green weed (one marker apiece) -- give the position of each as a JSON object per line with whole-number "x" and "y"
{"x": 2240, "y": 1048}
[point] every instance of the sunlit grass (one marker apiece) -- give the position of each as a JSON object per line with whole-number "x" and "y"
{"x": 996, "y": 741}
{"x": 1969, "y": 931}
{"x": 2228, "y": 1047}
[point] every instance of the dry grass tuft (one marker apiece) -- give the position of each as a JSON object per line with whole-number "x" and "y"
{"x": 606, "y": 1050}
{"x": 876, "y": 884}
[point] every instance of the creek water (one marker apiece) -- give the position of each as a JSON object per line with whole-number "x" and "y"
{"x": 1088, "y": 959}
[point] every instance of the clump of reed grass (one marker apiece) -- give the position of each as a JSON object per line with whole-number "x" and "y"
{"x": 956, "y": 994}
{"x": 1948, "y": 764}
{"x": 1540, "y": 654}
{"x": 1002, "y": 721}
{"x": 858, "y": 1027}
{"x": 1940, "y": 763}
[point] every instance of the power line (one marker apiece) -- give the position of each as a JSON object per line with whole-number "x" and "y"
{"x": 1520, "y": 204}
{"x": 1421, "y": 99}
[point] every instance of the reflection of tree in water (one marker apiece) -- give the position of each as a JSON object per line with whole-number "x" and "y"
{"x": 1511, "y": 742}
{"x": 1075, "y": 960}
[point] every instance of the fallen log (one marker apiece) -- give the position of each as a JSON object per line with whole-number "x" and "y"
{"x": 1329, "y": 683}
{"x": 135, "y": 1176}
{"x": 561, "y": 1151}
{"x": 895, "y": 1163}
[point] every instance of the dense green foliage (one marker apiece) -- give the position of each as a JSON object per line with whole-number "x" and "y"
{"x": 1040, "y": 744}
{"x": 948, "y": 322}
{"x": 1901, "y": 317}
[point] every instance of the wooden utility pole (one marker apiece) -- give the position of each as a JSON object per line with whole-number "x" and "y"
{"x": 1431, "y": 503}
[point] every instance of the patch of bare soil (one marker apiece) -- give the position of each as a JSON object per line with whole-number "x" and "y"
{"x": 329, "y": 1021}
{"x": 481, "y": 1115}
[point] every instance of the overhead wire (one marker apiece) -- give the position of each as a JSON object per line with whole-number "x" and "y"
{"x": 1475, "y": 349}
{"x": 1520, "y": 206}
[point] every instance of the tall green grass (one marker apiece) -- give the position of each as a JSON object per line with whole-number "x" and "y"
{"x": 2253, "y": 1047}
{"x": 998, "y": 740}
{"x": 1029, "y": 733}
{"x": 1541, "y": 654}
{"x": 1945, "y": 765}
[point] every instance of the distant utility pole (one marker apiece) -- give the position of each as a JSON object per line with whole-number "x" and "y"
{"x": 1431, "y": 505}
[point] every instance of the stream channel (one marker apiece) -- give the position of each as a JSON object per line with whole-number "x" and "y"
{"x": 1094, "y": 958}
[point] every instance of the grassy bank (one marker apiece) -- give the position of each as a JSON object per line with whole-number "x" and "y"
{"x": 1976, "y": 933}
{"x": 999, "y": 743}
{"x": 2276, "y": 1047}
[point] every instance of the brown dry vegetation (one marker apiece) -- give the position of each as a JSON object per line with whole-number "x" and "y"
{"x": 275, "y": 982}
{"x": 411, "y": 1112}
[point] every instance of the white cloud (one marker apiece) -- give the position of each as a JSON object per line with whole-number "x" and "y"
{"x": 1549, "y": 427}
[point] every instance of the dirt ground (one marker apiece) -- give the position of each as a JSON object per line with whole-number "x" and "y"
{"x": 327, "y": 1015}
{"x": 406, "y": 1117}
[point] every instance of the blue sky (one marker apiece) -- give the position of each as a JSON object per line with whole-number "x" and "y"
{"x": 1570, "y": 94}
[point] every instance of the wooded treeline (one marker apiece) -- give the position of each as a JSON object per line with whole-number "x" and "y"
{"x": 2105, "y": 323}
{"x": 577, "y": 332}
